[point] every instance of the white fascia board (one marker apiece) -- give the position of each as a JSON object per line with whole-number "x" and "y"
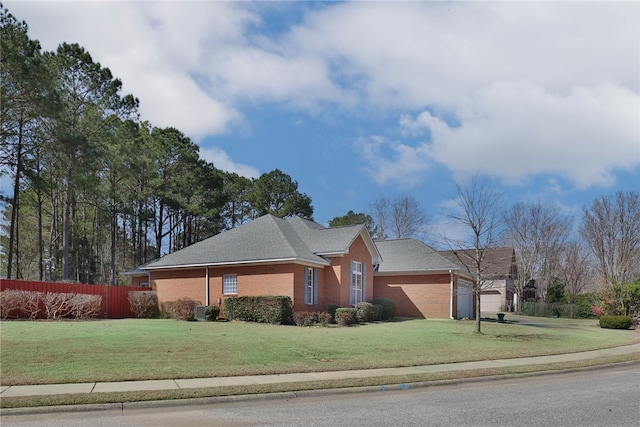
{"x": 410, "y": 273}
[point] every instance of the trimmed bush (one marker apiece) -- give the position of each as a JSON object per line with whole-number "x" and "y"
{"x": 364, "y": 312}
{"x": 346, "y": 316}
{"x": 276, "y": 310}
{"x": 615, "y": 322}
{"x": 85, "y": 306}
{"x": 183, "y": 309}
{"x": 388, "y": 307}
{"x": 377, "y": 312}
{"x": 144, "y": 304}
{"x": 305, "y": 318}
{"x": 212, "y": 313}
{"x": 332, "y": 311}
{"x": 324, "y": 318}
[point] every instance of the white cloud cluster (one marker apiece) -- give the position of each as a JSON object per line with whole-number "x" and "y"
{"x": 534, "y": 87}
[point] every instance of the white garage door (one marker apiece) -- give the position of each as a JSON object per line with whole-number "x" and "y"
{"x": 490, "y": 302}
{"x": 465, "y": 300}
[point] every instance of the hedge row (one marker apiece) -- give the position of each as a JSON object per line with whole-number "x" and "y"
{"x": 20, "y": 304}
{"x": 275, "y": 310}
{"x": 615, "y": 322}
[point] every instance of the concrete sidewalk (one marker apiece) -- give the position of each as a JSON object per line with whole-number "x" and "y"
{"x": 105, "y": 387}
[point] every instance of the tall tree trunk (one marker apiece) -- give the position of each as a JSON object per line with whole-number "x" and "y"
{"x": 15, "y": 204}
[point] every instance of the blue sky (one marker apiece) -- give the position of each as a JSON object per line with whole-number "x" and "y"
{"x": 358, "y": 100}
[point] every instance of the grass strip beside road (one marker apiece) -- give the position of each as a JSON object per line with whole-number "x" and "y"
{"x": 142, "y": 349}
{"x": 218, "y": 392}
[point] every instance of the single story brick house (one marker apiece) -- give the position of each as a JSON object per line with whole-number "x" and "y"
{"x": 315, "y": 266}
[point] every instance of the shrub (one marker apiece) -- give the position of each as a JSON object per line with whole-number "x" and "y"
{"x": 388, "y": 307}
{"x": 144, "y": 304}
{"x": 584, "y": 304}
{"x": 332, "y": 311}
{"x": 57, "y": 305}
{"x": 364, "y": 312}
{"x": 615, "y": 322}
{"x": 183, "y": 309}
{"x": 305, "y": 318}
{"x": 212, "y": 313}
{"x": 11, "y": 303}
{"x": 324, "y": 318}
{"x": 377, "y": 312}
{"x": 85, "y": 306}
{"x": 275, "y": 310}
{"x": 346, "y": 316}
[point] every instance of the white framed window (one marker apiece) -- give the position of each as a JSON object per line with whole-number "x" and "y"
{"x": 230, "y": 284}
{"x": 357, "y": 286}
{"x": 310, "y": 286}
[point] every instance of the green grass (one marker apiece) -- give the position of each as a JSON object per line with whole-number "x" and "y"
{"x": 136, "y": 349}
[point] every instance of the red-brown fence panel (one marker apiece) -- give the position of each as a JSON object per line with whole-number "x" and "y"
{"x": 115, "y": 299}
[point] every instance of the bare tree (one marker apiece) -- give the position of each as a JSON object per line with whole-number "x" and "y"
{"x": 399, "y": 218}
{"x": 611, "y": 229}
{"x": 479, "y": 214}
{"x": 537, "y": 232}
{"x": 575, "y": 268}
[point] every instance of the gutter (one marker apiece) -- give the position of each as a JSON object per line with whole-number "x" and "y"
{"x": 451, "y": 296}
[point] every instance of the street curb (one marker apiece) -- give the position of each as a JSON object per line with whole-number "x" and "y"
{"x": 292, "y": 395}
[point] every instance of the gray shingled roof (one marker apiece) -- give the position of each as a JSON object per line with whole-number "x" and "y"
{"x": 322, "y": 240}
{"x": 267, "y": 238}
{"x": 410, "y": 255}
{"x": 497, "y": 261}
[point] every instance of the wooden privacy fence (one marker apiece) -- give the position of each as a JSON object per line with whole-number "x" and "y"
{"x": 115, "y": 299}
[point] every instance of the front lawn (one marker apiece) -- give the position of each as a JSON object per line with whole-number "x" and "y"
{"x": 134, "y": 349}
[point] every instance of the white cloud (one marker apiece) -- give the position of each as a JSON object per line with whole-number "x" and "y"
{"x": 222, "y": 161}
{"x": 515, "y": 129}
{"x": 536, "y": 87}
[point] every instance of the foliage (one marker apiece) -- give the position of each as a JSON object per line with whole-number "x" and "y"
{"x": 584, "y": 303}
{"x": 364, "y": 312}
{"x": 212, "y": 312}
{"x": 311, "y": 318}
{"x": 615, "y": 322}
{"x": 144, "y": 303}
{"x": 183, "y": 309}
{"x": 277, "y": 194}
{"x": 261, "y": 309}
{"x": 546, "y": 309}
{"x": 555, "y": 293}
{"x": 346, "y": 316}
{"x": 621, "y": 299}
{"x": 378, "y": 309}
{"x": 352, "y": 218}
{"x": 388, "y": 307}
{"x": 331, "y": 309}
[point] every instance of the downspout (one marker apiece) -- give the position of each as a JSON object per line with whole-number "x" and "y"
{"x": 206, "y": 288}
{"x": 451, "y": 316}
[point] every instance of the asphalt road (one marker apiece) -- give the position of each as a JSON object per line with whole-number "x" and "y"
{"x": 605, "y": 397}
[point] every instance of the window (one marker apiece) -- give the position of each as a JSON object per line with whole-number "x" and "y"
{"x": 310, "y": 286}
{"x": 230, "y": 284}
{"x": 357, "y": 282}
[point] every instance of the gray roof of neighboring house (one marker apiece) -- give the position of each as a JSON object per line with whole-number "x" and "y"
{"x": 497, "y": 261}
{"x": 410, "y": 255}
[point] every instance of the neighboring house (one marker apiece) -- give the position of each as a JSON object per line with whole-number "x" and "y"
{"x": 314, "y": 265}
{"x": 500, "y": 271}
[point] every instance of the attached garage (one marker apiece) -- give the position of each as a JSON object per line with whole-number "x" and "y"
{"x": 465, "y": 300}
{"x": 490, "y": 302}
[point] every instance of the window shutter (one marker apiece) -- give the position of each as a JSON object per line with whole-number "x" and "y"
{"x": 315, "y": 285}
{"x": 351, "y": 269}
{"x": 307, "y": 294}
{"x": 364, "y": 282}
